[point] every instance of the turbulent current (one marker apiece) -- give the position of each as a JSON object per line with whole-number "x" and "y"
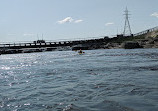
{"x": 99, "y": 80}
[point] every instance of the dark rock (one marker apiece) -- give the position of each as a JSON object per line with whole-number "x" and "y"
{"x": 130, "y": 45}
{"x": 156, "y": 39}
{"x": 50, "y": 48}
{"x": 78, "y": 48}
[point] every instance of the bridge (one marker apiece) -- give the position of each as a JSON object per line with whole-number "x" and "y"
{"x": 146, "y": 31}
{"x": 53, "y": 44}
{"x": 43, "y": 43}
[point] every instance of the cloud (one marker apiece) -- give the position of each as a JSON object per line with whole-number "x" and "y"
{"x": 66, "y": 20}
{"x": 69, "y": 20}
{"x": 155, "y": 14}
{"x": 110, "y": 23}
{"x": 78, "y": 21}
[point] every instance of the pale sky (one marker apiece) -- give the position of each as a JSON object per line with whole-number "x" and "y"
{"x": 28, "y": 20}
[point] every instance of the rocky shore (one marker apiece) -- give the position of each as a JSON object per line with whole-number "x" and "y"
{"x": 124, "y": 43}
{"x": 149, "y": 40}
{"x": 143, "y": 43}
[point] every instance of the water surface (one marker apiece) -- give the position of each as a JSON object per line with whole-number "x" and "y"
{"x": 99, "y": 80}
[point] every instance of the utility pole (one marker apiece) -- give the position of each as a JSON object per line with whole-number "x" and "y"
{"x": 127, "y": 29}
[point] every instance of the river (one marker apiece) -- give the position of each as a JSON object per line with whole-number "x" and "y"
{"x": 99, "y": 80}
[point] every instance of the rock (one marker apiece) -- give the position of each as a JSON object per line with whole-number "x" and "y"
{"x": 78, "y": 47}
{"x": 112, "y": 46}
{"x": 130, "y": 45}
{"x": 155, "y": 40}
{"x": 149, "y": 46}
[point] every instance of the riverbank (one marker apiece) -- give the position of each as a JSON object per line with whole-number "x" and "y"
{"x": 124, "y": 43}
{"x": 129, "y": 42}
{"x": 149, "y": 40}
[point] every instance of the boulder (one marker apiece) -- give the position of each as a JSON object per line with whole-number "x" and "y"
{"x": 156, "y": 39}
{"x": 130, "y": 45}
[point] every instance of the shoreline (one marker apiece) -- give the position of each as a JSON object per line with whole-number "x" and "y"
{"x": 142, "y": 44}
{"x": 119, "y": 42}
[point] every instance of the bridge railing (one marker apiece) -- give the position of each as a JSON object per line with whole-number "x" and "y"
{"x": 146, "y": 31}
{"x": 23, "y": 43}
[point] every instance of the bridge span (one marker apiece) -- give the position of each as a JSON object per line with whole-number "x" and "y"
{"x": 146, "y": 31}
{"x": 42, "y": 43}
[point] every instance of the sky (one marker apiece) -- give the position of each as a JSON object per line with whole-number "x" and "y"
{"x": 54, "y": 20}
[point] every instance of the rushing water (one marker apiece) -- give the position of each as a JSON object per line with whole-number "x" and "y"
{"x": 99, "y": 80}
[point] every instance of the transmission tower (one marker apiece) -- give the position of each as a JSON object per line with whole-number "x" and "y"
{"x": 127, "y": 29}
